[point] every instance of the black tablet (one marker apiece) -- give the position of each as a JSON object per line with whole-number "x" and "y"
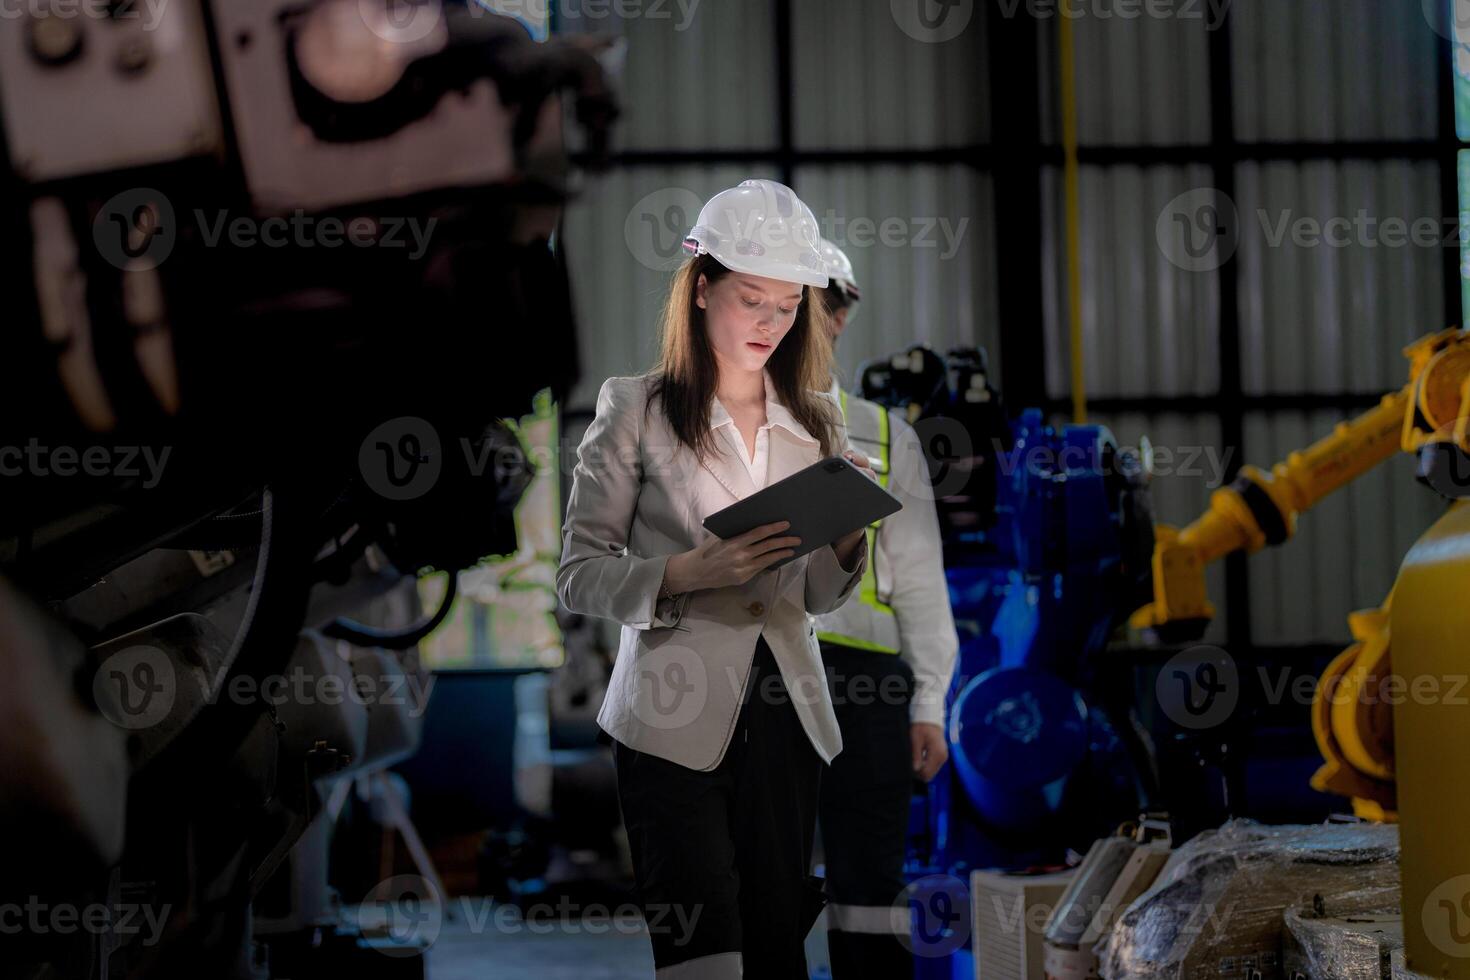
{"x": 823, "y": 502}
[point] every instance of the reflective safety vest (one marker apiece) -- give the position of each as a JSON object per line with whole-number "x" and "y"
{"x": 866, "y": 621}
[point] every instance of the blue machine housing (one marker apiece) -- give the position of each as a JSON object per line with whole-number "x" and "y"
{"x": 1037, "y": 766}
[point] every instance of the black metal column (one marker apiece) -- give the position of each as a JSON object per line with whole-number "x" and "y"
{"x": 1449, "y": 182}
{"x": 1232, "y": 404}
{"x": 785, "y": 90}
{"x": 1015, "y": 113}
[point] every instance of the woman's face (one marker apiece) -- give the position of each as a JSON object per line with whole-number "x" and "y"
{"x": 746, "y": 317}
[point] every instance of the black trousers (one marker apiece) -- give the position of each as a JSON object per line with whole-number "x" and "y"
{"x": 864, "y": 814}
{"x": 722, "y": 857}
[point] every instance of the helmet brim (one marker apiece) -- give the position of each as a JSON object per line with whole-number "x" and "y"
{"x": 785, "y": 272}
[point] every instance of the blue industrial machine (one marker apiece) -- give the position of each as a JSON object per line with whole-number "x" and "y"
{"x": 1047, "y": 534}
{"x": 1037, "y": 765}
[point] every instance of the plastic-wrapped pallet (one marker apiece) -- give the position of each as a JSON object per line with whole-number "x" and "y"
{"x": 1216, "y": 908}
{"x": 1341, "y": 947}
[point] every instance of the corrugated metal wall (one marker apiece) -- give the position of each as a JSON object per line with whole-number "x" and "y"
{"x": 1322, "y": 319}
{"x": 862, "y": 83}
{"x": 921, "y": 243}
{"x": 1327, "y": 317}
{"x": 1312, "y": 320}
{"x": 704, "y": 80}
{"x": 623, "y": 239}
{"x": 1333, "y": 70}
{"x": 1141, "y": 80}
{"x": 1150, "y": 328}
{"x": 920, "y": 235}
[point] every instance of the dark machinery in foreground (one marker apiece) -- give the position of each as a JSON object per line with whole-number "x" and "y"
{"x": 278, "y": 270}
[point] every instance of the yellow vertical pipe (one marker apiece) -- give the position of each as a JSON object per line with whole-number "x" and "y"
{"x": 1071, "y": 179}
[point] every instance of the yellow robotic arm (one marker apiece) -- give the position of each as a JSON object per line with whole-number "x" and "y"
{"x": 1352, "y": 721}
{"x": 1261, "y": 508}
{"x": 1388, "y": 717}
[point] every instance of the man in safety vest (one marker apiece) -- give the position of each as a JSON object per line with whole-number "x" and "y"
{"x": 889, "y": 653}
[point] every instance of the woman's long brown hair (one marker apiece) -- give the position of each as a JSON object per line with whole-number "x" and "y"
{"x": 687, "y": 375}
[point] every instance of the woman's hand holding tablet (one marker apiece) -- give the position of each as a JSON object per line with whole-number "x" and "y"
{"x": 719, "y": 562}
{"x": 829, "y": 502}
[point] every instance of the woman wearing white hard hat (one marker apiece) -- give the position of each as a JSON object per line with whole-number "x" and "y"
{"x": 718, "y": 704}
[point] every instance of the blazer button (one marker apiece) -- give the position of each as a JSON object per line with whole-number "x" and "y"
{"x": 756, "y": 608}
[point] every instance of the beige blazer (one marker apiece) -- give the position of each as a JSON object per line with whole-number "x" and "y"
{"x": 639, "y": 496}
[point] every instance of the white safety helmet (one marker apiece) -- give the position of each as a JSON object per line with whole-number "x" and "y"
{"x": 839, "y": 269}
{"x": 761, "y": 228}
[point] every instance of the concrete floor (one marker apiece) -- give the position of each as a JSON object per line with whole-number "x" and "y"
{"x": 502, "y": 948}
{"x": 481, "y": 942}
